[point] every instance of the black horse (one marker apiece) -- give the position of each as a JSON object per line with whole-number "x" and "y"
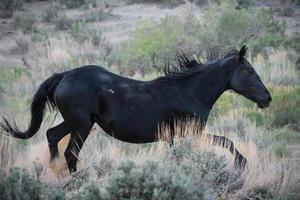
{"x": 132, "y": 110}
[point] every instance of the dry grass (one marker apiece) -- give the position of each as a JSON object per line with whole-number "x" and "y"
{"x": 101, "y": 154}
{"x": 278, "y": 68}
{"x": 263, "y": 169}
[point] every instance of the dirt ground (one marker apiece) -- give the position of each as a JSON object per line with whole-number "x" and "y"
{"x": 116, "y": 27}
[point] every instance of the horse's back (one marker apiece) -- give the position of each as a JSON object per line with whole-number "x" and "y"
{"x": 86, "y": 85}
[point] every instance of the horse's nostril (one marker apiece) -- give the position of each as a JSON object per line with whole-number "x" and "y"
{"x": 270, "y": 98}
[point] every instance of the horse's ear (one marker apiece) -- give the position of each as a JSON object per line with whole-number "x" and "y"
{"x": 243, "y": 52}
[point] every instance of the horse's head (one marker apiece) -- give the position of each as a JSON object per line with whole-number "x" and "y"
{"x": 246, "y": 81}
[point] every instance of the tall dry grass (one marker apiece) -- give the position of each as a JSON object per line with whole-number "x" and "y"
{"x": 276, "y": 67}
{"x": 101, "y": 154}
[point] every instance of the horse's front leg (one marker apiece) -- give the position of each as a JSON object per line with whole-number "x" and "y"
{"x": 240, "y": 161}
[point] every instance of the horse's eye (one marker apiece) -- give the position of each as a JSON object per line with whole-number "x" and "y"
{"x": 248, "y": 70}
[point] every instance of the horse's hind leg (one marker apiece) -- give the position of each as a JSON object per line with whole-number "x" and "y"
{"x": 239, "y": 161}
{"x": 77, "y": 139}
{"x": 54, "y": 135}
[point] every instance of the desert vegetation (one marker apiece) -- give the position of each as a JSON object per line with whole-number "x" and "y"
{"x": 135, "y": 38}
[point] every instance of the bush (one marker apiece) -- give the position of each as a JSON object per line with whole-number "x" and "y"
{"x": 285, "y": 108}
{"x": 205, "y": 166}
{"x": 23, "y": 43}
{"x": 221, "y": 26}
{"x": 95, "y": 14}
{"x": 275, "y": 140}
{"x": 152, "y": 43}
{"x": 62, "y": 22}
{"x": 228, "y": 27}
{"x": 149, "y": 181}
{"x": 25, "y": 21}
{"x": 7, "y": 7}
{"x": 262, "y": 192}
{"x": 91, "y": 191}
{"x": 72, "y": 3}
{"x": 18, "y": 184}
{"x": 171, "y": 3}
{"x": 81, "y": 33}
{"x": 50, "y": 13}
{"x": 277, "y": 67}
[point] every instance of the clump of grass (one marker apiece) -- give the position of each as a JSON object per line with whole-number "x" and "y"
{"x": 96, "y": 14}
{"x": 7, "y": 7}
{"x": 81, "y": 33}
{"x": 276, "y": 67}
{"x": 285, "y": 108}
{"x": 25, "y": 21}
{"x": 22, "y": 43}
{"x": 50, "y": 13}
{"x": 7, "y": 154}
{"x": 259, "y": 193}
{"x": 73, "y": 3}
{"x": 62, "y": 22}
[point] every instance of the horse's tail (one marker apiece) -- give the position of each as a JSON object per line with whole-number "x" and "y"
{"x": 44, "y": 95}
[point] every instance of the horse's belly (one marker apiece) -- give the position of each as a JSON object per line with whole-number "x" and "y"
{"x": 139, "y": 129}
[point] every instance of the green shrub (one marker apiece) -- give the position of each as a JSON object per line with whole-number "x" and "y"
{"x": 7, "y": 75}
{"x": 262, "y": 192}
{"x": 228, "y": 27}
{"x": 78, "y": 180}
{"x": 224, "y": 104}
{"x": 181, "y": 150}
{"x": 151, "y": 44}
{"x": 285, "y": 108}
{"x": 255, "y": 116}
{"x": 81, "y": 33}
{"x": 18, "y": 184}
{"x": 205, "y": 166}
{"x": 221, "y": 26}
{"x": 152, "y": 181}
{"x": 91, "y": 191}
{"x": 275, "y": 140}
{"x": 40, "y": 35}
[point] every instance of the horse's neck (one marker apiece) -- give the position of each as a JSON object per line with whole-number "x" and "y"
{"x": 207, "y": 88}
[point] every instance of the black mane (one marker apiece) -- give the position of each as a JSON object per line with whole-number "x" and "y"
{"x": 186, "y": 66}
